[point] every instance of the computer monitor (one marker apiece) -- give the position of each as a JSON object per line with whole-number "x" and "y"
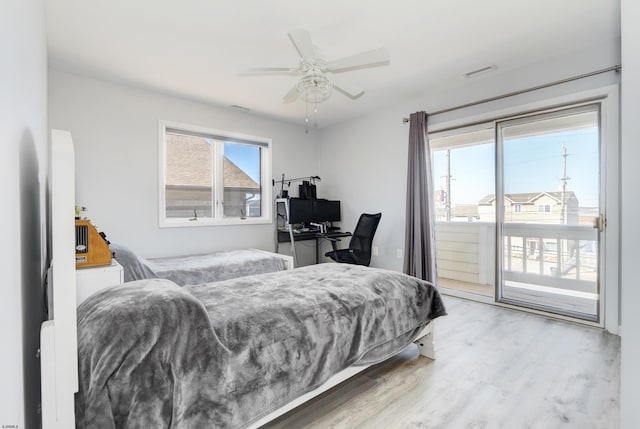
{"x": 300, "y": 210}
{"x": 326, "y": 211}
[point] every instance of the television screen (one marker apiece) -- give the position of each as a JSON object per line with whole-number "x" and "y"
{"x": 326, "y": 210}
{"x": 300, "y": 210}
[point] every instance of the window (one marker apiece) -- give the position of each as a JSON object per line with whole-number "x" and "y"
{"x": 464, "y": 180}
{"x": 464, "y": 175}
{"x": 210, "y": 177}
{"x": 517, "y": 208}
{"x": 544, "y": 208}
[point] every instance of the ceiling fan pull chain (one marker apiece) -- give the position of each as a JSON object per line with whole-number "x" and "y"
{"x": 306, "y": 119}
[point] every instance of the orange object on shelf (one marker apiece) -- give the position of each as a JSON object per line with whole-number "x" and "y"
{"x": 92, "y": 247}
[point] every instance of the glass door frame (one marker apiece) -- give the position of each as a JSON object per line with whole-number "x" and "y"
{"x": 609, "y": 98}
{"x": 499, "y": 192}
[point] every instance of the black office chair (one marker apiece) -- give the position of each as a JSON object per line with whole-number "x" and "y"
{"x": 359, "y": 251}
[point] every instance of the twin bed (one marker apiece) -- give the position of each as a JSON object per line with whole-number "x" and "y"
{"x": 225, "y": 354}
{"x": 201, "y": 268}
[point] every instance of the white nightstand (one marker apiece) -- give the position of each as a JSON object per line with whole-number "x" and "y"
{"x": 91, "y": 280}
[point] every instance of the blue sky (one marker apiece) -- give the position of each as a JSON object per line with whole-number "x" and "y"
{"x": 246, "y": 157}
{"x": 532, "y": 164}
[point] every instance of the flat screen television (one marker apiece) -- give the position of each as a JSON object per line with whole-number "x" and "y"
{"x": 326, "y": 211}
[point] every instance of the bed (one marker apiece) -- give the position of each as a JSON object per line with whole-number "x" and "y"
{"x": 224, "y": 354}
{"x": 200, "y": 268}
{"x": 233, "y": 353}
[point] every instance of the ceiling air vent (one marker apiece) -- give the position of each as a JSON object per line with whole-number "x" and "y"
{"x": 482, "y": 70}
{"x": 240, "y": 108}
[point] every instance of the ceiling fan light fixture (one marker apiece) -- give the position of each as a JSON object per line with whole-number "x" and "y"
{"x": 314, "y": 87}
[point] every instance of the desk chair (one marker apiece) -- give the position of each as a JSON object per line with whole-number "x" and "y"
{"x": 359, "y": 251}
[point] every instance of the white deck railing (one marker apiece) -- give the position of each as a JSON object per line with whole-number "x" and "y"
{"x": 559, "y": 256}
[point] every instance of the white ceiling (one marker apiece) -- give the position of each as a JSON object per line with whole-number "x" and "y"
{"x": 197, "y": 48}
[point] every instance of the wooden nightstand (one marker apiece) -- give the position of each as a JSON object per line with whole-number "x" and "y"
{"x": 91, "y": 280}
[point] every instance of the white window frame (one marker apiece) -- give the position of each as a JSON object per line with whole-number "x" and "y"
{"x": 218, "y": 219}
{"x": 517, "y": 208}
{"x": 544, "y": 208}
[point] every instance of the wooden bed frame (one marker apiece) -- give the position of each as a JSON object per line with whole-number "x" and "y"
{"x": 58, "y": 336}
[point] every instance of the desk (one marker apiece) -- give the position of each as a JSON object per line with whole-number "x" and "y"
{"x": 283, "y": 237}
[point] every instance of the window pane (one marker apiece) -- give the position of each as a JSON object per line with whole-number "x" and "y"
{"x": 189, "y": 190}
{"x": 550, "y": 248}
{"x": 464, "y": 179}
{"x": 242, "y": 185}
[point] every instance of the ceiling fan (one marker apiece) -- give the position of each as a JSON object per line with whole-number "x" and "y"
{"x": 318, "y": 74}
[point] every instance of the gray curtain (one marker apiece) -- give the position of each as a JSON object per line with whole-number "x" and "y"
{"x": 420, "y": 246}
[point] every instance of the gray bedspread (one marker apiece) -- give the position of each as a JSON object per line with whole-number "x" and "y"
{"x": 221, "y": 355}
{"x": 195, "y": 269}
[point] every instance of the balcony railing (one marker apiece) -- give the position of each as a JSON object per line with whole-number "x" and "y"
{"x": 556, "y": 256}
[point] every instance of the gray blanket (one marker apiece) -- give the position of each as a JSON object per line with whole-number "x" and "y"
{"x": 194, "y": 269}
{"x": 221, "y": 355}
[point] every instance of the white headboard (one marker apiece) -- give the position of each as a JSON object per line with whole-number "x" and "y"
{"x": 58, "y": 335}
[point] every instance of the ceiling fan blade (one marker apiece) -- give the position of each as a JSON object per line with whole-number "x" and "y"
{"x": 373, "y": 58}
{"x": 292, "y": 95}
{"x": 302, "y": 41}
{"x": 351, "y": 91}
{"x": 270, "y": 70}
{"x": 274, "y": 69}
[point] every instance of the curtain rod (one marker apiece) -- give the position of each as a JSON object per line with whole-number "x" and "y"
{"x": 615, "y": 68}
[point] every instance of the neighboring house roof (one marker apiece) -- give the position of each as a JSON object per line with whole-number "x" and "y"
{"x": 234, "y": 177}
{"x": 459, "y": 210}
{"x": 528, "y": 197}
{"x": 185, "y": 166}
{"x": 184, "y": 155}
{"x": 486, "y": 200}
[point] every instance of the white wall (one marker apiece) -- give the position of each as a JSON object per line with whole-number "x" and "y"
{"x": 365, "y": 160}
{"x": 630, "y": 179}
{"x": 115, "y": 132}
{"x": 23, "y": 173}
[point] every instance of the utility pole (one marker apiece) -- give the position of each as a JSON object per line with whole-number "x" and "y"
{"x": 447, "y": 188}
{"x": 564, "y": 179}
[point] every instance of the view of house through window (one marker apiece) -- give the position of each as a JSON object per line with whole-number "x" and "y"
{"x": 464, "y": 177}
{"x": 550, "y": 250}
{"x": 241, "y": 180}
{"x": 550, "y": 169}
{"x": 189, "y": 171}
{"x": 211, "y": 177}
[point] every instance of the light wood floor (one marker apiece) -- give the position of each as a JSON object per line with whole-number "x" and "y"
{"x": 586, "y": 304}
{"x": 478, "y": 289}
{"x": 496, "y": 368}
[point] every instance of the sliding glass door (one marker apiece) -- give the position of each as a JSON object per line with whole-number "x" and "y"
{"x": 518, "y": 208}
{"x": 548, "y": 184}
